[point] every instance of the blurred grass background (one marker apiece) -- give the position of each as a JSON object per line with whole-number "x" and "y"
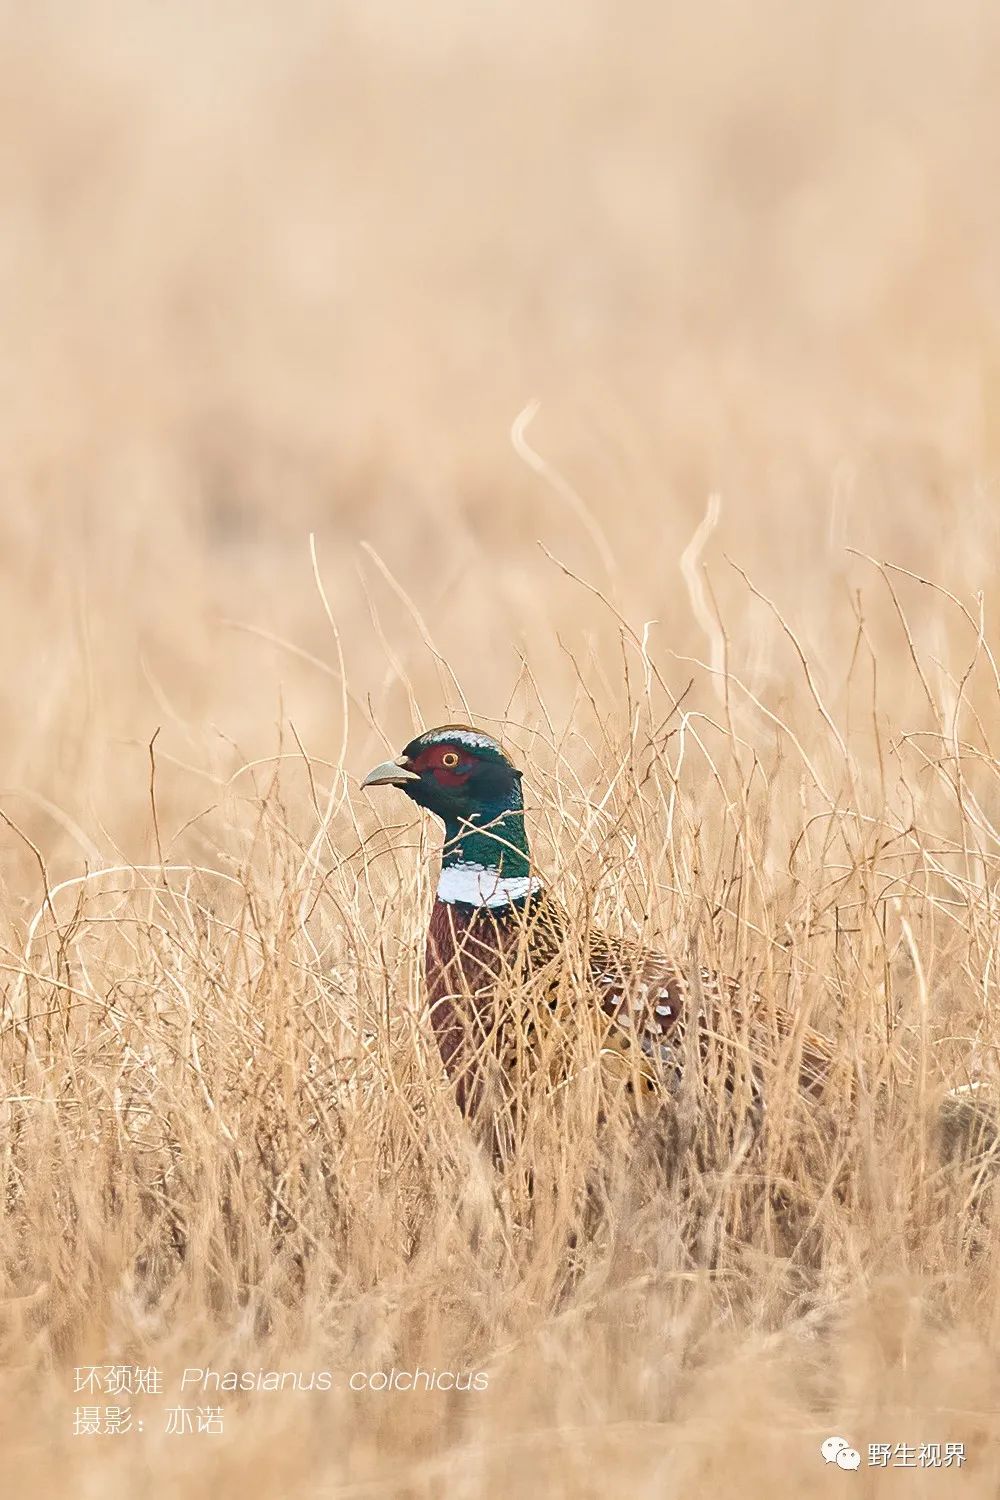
{"x": 266, "y": 273}
{"x": 272, "y": 272}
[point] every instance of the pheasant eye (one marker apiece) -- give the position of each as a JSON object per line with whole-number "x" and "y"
{"x": 449, "y": 759}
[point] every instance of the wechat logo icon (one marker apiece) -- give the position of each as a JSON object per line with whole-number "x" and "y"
{"x": 837, "y": 1450}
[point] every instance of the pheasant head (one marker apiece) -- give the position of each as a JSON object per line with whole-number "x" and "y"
{"x": 466, "y": 779}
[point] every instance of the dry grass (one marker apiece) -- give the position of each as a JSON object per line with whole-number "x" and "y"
{"x": 282, "y": 273}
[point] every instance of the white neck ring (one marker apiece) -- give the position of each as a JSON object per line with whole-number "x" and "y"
{"x": 477, "y": 885}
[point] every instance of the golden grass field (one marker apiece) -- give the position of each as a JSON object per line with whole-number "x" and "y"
{"x": 627, "y": 378}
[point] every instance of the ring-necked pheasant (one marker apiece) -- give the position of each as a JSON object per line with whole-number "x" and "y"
{"x": 494, "y": 932}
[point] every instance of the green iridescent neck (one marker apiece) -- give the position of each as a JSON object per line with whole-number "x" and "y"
{"x": 493, "y": 837}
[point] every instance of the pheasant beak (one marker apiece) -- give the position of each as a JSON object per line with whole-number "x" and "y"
{"x": 391, "y": 773}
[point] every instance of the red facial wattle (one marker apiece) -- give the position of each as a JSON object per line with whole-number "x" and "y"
{"x": 437, "y": 760}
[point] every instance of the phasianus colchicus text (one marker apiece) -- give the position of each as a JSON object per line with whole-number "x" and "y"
{"x": 494, "y": 931}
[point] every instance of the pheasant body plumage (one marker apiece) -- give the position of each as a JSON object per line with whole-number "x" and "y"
{"x": 495, "y": 933}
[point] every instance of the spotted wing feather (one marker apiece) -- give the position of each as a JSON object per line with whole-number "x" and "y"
{"x": 649, "y": 996}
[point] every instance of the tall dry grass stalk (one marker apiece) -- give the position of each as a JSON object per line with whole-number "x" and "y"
{"x": 268, "y": 278}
